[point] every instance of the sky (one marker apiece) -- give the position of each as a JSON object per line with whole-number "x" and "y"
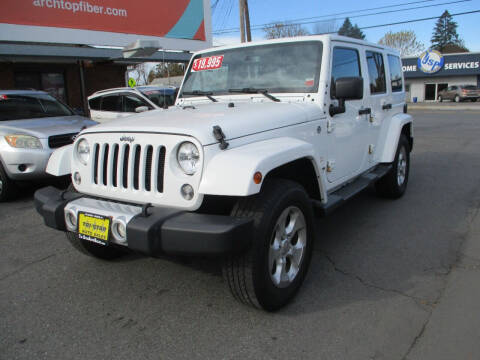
{"x": 225, "y": 16}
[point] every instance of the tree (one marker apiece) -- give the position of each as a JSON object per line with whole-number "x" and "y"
{"x": 281, "y": 30}
{"x": 445, "y": 33}
{"x": 347, "y": 29}
{"x": 162, "y": 70}
{"x": 404, "y": 41}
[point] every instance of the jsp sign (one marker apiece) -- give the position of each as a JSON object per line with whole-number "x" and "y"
{"x": 430, "y": 61}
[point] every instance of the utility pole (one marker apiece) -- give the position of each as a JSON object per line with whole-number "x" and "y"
{"x": 247, "y": 21}
{"x": 244, "y": 21}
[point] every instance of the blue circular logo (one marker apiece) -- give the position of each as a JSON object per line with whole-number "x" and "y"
{"x": 430, "y": 61}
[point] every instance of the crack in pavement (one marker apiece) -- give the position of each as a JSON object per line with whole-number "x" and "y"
{"x": 451, "y": 267}
{"x": 20, "y": 269}
{"x": 419, "y": 301}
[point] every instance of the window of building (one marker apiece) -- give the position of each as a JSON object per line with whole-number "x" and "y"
{"x": 376, "y": 72}
{"x": 395, "y": 73}
{"x": 345, "y": 63}
{"x": 50, "y": 82}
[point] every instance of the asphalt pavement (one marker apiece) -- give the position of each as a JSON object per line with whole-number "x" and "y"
{"x": 388, "y": 280}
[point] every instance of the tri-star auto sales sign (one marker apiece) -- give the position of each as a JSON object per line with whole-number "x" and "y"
{"x": 434, "y": 64}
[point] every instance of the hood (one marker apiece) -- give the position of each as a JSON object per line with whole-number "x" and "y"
{"x": 45, "y": 127}
{"x": 244, "y": 118}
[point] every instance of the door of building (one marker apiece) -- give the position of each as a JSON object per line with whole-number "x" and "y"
{"x": 430, "y": 91}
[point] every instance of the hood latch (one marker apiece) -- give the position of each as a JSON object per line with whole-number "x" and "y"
{"x": 220, "y": 136}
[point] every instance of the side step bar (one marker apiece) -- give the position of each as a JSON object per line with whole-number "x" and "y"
{"x": 340, "y": 196}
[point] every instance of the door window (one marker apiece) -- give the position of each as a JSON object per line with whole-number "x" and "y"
{"x": 376, "y": 72}
{"x": 131, "y": 102}
{"x": 112, "y": 103}
{"x": 345, "y": 63}
{"x": 94, "y": 103}
{"x": 395, "y": 73}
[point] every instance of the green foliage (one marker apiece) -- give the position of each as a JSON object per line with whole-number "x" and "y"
{"x": 404, "y": 41}
{"x": 353, "y": 31}
{"x": 445, "y": 34}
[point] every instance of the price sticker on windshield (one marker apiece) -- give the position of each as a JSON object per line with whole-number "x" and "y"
{"x": 207, "y": 63}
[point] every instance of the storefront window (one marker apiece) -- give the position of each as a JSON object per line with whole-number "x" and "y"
{"x": 50, "y": 82}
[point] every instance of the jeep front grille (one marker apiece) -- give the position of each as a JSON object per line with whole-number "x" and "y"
{"x": 129, "y": 166}
{"x": 57, "y": 141}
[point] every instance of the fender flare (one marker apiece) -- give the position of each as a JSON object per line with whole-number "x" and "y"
{"x": 230, "y": 172}
{"x": 59, "y": 163}
{"x": 389, "y": 142}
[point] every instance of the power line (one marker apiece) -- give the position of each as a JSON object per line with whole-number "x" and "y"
{"x": 296, "y": 22}
{"x": 343, "y": 13}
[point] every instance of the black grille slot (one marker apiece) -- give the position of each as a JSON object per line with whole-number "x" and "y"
{"x": 57, "y": 141}
{"x": 148, "y": 168}
{"x": 160, "y": 169}
{"x": 115, "y": 165}
{"x": 136, "y": 167}
{"x": 95, "y": 165}
{"x": 125, "y": 166}
{"x": 105, "y": 164}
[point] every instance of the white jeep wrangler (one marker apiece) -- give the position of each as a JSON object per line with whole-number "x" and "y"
{"x": 261, "y": 134}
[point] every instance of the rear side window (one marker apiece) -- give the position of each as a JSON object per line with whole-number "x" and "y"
{"x": 345, "y": 63}
{"x": 112, "y": 103}
{"x": 376, "y": 72}
{"x": 94, "y": 103}
{"x": 395, "y": 73}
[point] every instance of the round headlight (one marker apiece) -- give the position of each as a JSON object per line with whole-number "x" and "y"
{"x": 188, "y": 157}
{"x": 83, "y": 151}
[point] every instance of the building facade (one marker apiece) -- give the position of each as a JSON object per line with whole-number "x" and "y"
{"x": 431, "y": 72}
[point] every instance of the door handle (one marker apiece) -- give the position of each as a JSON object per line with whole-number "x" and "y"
{"x": 365, "y": 111}
{"x": 387, "y": 107}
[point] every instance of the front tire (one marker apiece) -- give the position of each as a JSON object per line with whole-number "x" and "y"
{"x": 7, "y": 186}
{"x": 394, "y": 183}
{"x": 270, "y": 273}
{"x": 457, "y": 99}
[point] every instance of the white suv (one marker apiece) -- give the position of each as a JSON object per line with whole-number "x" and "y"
{"x": 262, "y": 133}
{"x": 109, "y": 104}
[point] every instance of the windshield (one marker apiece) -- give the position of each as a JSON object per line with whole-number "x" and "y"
{"x": 159, "y": 97}
{"x": 469, "y": 87}
{"x": 31, "y": 106}
{"x": 279, "y": 68}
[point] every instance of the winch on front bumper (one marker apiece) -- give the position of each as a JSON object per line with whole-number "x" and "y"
{"x": 150, "y": 230}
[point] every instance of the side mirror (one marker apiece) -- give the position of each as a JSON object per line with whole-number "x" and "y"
{"x": 141, "y": 109}
{"x": 347, "y": 88}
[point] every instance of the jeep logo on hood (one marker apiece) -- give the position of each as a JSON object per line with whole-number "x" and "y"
{"x": 130, "y": 139}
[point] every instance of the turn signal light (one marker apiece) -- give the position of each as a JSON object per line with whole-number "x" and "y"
{"x": 257, "y": 177}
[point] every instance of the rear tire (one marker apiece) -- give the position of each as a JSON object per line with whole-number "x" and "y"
{"x": 270, "y": 273}
{"x": 104, "y": 252}
{"x": 7, "y": 186}
{"x": 394, "y": 183}
{"x": 474, "y": 100}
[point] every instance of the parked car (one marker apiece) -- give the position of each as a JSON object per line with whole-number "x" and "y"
{"x": 32, "y": 125}
{"x": 459, "y": 93}
{"x": 260, "y": 135}
{"x": 106, "y": 105}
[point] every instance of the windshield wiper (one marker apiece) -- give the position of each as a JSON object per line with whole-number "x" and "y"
{"x": 264, "y": 92}
{"x": 208, "y": 94}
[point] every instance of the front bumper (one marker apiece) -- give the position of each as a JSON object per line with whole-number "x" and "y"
{"x": 25, "y": 164}
{"x": 162, "y": 230}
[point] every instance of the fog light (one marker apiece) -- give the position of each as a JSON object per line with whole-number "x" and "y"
{"x": 71, "y": 220}
{"x": 77, "y": 178}
{"x": 119, "y": 230}
{"x": 187, "y": 191}
{"x": 22, "y": 167}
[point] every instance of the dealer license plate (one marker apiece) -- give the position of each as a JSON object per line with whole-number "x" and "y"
{"x": 92, "y": 227}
